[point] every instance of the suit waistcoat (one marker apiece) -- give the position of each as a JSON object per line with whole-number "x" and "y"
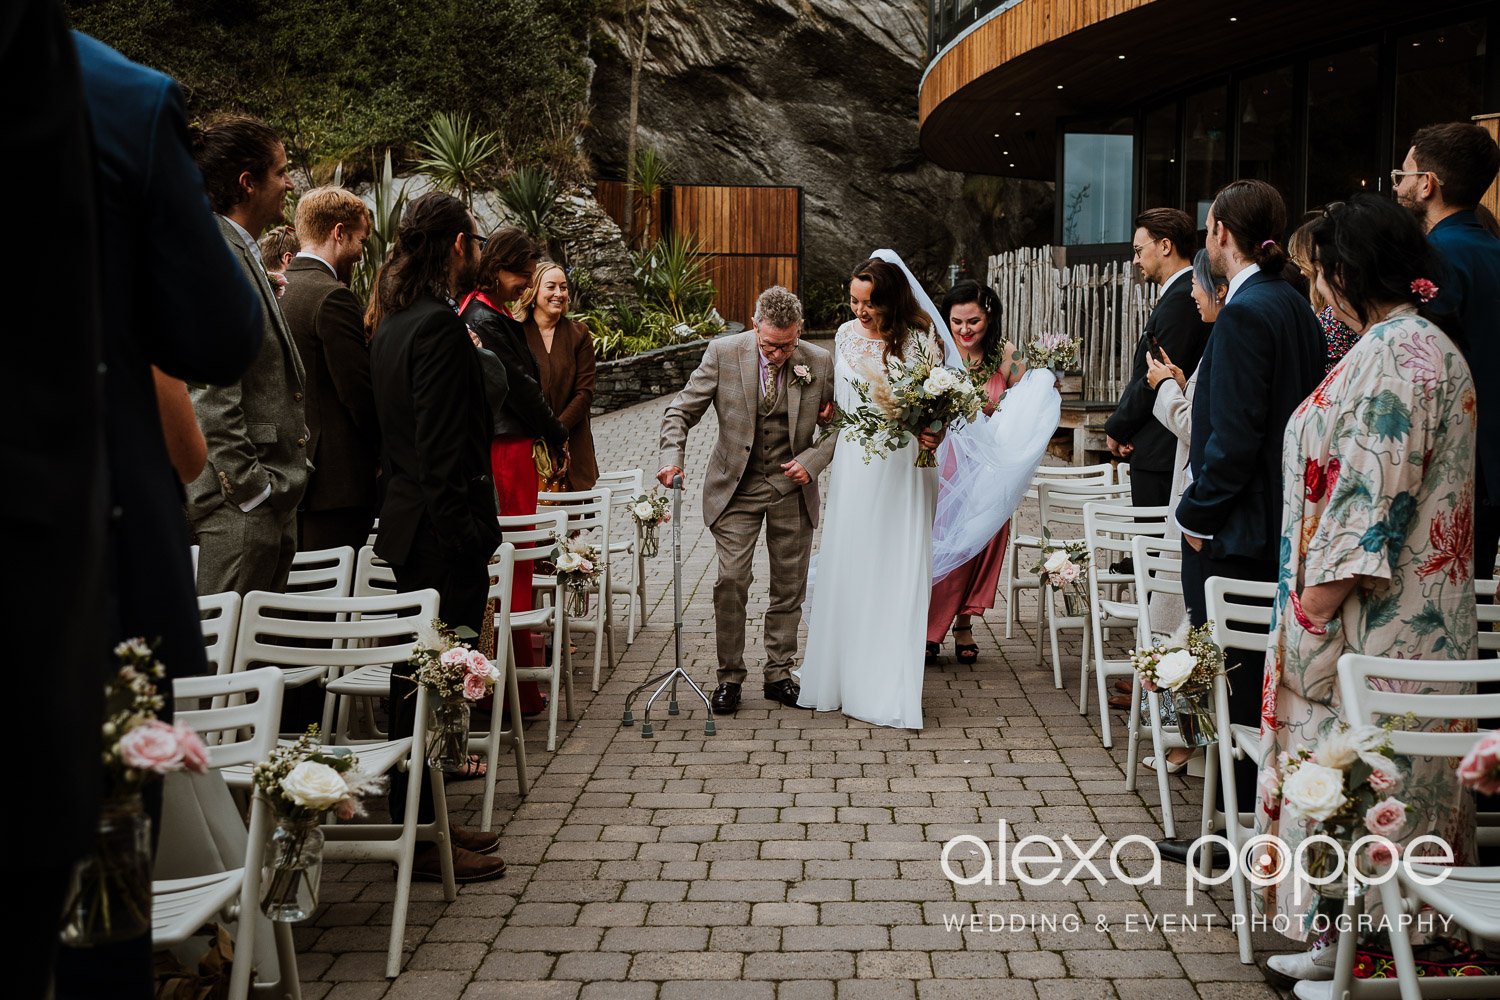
{"x": 771, "y": 446}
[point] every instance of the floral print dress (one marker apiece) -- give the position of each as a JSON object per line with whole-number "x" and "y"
{"x": 1378, "y": 482}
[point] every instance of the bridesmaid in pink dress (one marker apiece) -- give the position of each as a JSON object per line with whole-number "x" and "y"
{"x": 973, "y": 314}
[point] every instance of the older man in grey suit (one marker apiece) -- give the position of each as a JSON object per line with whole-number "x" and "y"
{"x": 243, "y": 507}
{"x": 769, "y": 391}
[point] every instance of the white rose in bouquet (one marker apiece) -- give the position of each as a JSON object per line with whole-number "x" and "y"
{"x": 1314, "y": 791}
{"x": 939, "y": 381}
{"x": 315, "y": 786}
{"x": 1173, "y": 669}
{"x": 643, "y": 510}
{"x": 1055, "y": 561}
{"x": 568, "y": 562}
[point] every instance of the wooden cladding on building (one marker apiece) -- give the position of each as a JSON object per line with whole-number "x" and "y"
{"x": 1491, "y": 199}
{"x": 750, "y": 238}
{"x": 611, "y": 198}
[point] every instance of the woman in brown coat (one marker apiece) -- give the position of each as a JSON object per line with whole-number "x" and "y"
{"x": 565, "y": 356}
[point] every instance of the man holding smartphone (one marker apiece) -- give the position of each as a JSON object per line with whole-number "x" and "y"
{"x": 1163, "y": 250}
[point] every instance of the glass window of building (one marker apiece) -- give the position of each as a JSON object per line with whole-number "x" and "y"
{"x": 1205, "y": 149}
{"x": 1159, "y": 158}
{"x": 1098, "y": 184}
{"x": 1439, "y": 78}
{"x": 1343, "y": 143}
{"x": 1267, "y": 149}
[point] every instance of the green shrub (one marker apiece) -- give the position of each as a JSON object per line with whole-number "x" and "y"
{"x": 670, "y": 277}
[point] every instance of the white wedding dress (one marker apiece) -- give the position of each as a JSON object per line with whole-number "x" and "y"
{"x": 874, "y": 567}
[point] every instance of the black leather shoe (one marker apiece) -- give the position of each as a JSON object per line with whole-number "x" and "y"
{"x": 784, "y": 691}
{"x": 726, "y": 699}
{"x": 1176, "y": 851}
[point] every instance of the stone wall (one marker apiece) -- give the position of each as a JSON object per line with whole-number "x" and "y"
{"x": 622, "y": 383}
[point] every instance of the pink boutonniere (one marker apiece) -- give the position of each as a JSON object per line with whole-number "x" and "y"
{"x": 278, "y": 282}
{"x": 802, "y": 375}
{"x": 1424, "y": 290}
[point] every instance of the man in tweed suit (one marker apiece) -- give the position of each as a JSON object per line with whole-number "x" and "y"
{"x": 769, "y": 392}
{"x": 243, "y": 508}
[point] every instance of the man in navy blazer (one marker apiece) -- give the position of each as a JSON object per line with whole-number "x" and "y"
{"x": 174, "y": 298}
{"x": 1446, "y": 172}
{"x": 1265, "y": 354}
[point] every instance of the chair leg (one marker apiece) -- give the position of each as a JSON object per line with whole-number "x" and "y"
{"x": 517, "y": 724}
{"x": 444, "y": 836}
{"x": 1241, "y": 889}
{"x": 491, "y": 764}
{"x": 1044, "y": 616}
{"x": 1206, "y": 810}
{"x": 1343, "y": 964}
{"x": 1406, "y": 963}
{"x": 286, "y": 960}
{"x": 1133, "y": 733}
{"x": 562, "y": 659}
{"x": 1007, "y": 583}
{"x": 1153, "y": 702}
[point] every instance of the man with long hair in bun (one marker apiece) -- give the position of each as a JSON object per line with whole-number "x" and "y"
{"x": 1264, "y": 356}
{"x": 437, "y": 525}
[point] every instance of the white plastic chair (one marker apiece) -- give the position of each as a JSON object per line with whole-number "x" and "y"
{"x": 240, "y": 732}
{"x": 1229, "y": 604}
{"x": 507, "y": 694}
{"x": 1488, "y": 615}
{"x": 1012, "y": 579}
{"x": 1110, "y": 531}
{"x": 322, "y": 572}
{"x": 219, "y": 618}
{"x": 588, "y": 515}
{"x": 356, "y": 639}
{"x": 1158, "y": 570}
{"x": 534, "y": 538}
{"x": 1062, "y": 515}
{"x": 623, "y": 486}
{"x": 1470, "y": 895}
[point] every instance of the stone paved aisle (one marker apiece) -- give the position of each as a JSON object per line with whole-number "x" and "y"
{"x": 792, "y": 856}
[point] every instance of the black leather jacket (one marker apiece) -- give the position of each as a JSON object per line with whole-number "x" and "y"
{"x": 511, "y": 378}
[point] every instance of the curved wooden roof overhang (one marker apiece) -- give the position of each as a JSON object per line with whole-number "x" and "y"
{"x": 990, "y": 100}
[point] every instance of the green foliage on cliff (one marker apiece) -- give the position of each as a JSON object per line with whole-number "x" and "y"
{"x": 342, "y": 78}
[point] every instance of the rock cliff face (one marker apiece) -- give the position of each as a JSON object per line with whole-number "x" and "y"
{"x": 816, "y": 93}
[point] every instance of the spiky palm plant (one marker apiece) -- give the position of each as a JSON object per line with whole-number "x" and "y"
{"x": 530, "y": 193}
{"x": 651, "y": 172}
{"x": 455, "y": 153}
{"x": 385, "y": 218}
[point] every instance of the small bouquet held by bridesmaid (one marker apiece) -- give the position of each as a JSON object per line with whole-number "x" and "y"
{"x": 925, "y": 395}
{"x": 1056, "y": 352}
{"x": 650, "y": 510}
{"x": 301, "y": 782}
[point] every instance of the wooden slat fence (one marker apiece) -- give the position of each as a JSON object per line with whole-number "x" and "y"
{"x": 611, "y": 198}
{"x": 1101, "y": 303}
{"x": 751, "y": 238}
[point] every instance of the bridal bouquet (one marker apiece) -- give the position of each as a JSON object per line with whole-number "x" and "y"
{"x": 300, "y": 782}
{"x": 577, "y": 566}
{"x": 454, "y": 674}
{"x": 109, "y": 898}
{"x": 924, "y": 396}
{"x": 1342, "y": 789}
{"x": 1187, "y": 673}
{"x": 650, "y": 510}
{"x": 1055, "y": 351}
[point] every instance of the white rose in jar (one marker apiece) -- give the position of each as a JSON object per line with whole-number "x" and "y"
{"x": 1055, "y": 561}
{"x": 643, "y": 511}
{"x": 1314, "y": 791}
{"x": 315, "y": 786}
{"x": 1173, "y": 669}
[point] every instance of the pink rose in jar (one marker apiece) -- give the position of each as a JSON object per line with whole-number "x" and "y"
{"x": 152, "y": 746}
{"x": 1381, "y": 781}
{"x": 1379, "y": 854}
{"x": 476, "y": 687}
{"x": 458, "y": 657}
{"x": 194, "y": 753}
{"x": 1068, "y": 574}
{"x": 1386, "y": 818}
{"x": 478, "y": 665}
{"x": 1480, "y": 768}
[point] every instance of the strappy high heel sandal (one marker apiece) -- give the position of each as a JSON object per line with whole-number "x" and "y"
{"x": 965, "y": 652}
{"x": 933, "y": 649}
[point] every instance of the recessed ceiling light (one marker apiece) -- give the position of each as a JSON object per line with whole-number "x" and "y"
{"x": 1059, "y": 86}
{"x": 997, "y": 135}
{"x": 1234, "y": 19}
{"x": 1018, "y": 114}
{"x": 1004, "y": 152}
{"x": 1012, "y": 164}
{"x": 1122, "y": 57}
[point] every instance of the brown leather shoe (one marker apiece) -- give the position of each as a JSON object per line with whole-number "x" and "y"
{"x": 474, "y": 840}
{"x": 467, "y": 866}
{"x": 1119, "y": 701}
{"x": 1122, "y": 685}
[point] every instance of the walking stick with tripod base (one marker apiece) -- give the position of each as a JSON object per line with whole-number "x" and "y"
{"x": 668, "y": 681}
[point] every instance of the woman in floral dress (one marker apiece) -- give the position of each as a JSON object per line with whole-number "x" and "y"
{"x": 1376, "y": 547}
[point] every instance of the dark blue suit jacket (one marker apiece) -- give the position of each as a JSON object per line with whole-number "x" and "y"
{"x": 1469, "y": 289}
{"x": 1265, "y": 354}
{"x": 173, "y": 297}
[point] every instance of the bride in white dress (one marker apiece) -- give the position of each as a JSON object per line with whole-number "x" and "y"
{"x": 891, "y": 529}
{"x": 874, "y": 576}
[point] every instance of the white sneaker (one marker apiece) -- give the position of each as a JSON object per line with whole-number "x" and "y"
{"x": 1313, "y": 965}
{"x": 1311, "y": 989}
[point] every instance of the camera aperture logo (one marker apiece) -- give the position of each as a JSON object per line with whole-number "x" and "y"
{"x": 1264, "y": 860}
